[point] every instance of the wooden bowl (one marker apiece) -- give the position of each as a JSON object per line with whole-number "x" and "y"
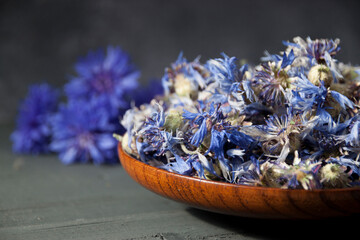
{"x": 246, "y": 201}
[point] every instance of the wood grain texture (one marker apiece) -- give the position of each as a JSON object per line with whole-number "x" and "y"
{"x": 246, "y": 201}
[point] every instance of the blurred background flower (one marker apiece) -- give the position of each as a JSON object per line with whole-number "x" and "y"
{"x": 32, "y": 133}
{"x": 81, "y": 130}
{"x": 111, "y": 76}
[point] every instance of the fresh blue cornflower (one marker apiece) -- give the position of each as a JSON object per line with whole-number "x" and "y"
{"x": 33, "y": 133}
{"x": 82, "y": 132}
{"x": 111, "y": 76}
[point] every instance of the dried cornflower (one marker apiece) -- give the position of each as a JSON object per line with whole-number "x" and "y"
{"x": 334, "y": 176}
{"x": 290, "y": 122}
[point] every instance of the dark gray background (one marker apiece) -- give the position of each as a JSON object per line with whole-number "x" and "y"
{"x": 41, "y": 40}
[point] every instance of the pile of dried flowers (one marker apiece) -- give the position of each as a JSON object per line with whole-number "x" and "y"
{"x": 291, "y": 122}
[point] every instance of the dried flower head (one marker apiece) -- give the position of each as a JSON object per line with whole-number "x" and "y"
{"x": 334, "y": 176}
{"x": 290, "y": 122}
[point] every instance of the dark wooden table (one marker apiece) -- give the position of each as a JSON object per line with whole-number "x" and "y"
{"x": 42, "y": 199}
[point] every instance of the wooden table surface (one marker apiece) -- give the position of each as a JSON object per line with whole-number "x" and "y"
{"x": 42, "y": 199}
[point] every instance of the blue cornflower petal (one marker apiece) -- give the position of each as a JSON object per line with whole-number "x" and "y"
{"x": 199, "y": 169}
{"x": 110, "y": 76}
{"x": 140, "y": 147}
{"x": 354, "y": 165}
{"x": 33, "y": 132}
{"x": 194, "y": 73}
{"x": 287, "y": 59}
{"x": 307, "y": 95}
{"x": 199, "y": 136}
{"x": 146, "y": 93}
{"x": 342, "y": 100}
{"x": 82, "y": 132}
{"x": 224, "y": 71}
{"x": 189, "y": 115}
{"x": 354, "y": 135}
{"x": 270, "y": 57}
{"x": 249, "y": 91}
{"x": 180, "y": 166}
{"x": 290, "y": 44}
{"x": 69, "y": 155}
{"x": 324, "y": 117}
{"x": 106, "y": 141}
{"x": 239, "y": 139}
{"x": 218, "y": 140}
{"x": 217, "y": 143}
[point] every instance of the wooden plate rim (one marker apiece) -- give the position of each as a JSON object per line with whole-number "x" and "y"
{"x": 231, "y": 185}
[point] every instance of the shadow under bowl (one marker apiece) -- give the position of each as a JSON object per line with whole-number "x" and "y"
{"x": 241, "y": 200}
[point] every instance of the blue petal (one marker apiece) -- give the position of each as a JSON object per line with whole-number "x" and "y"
{"x": 180, "y": 166}
{"x": 189, "y": 115}
{"x": 199, "y": 136}
{"x": 342, "y": 100}
{"x": 288, "y": 60}
{"x": 290, "y": 44}
{"x": 199, "y": 169}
